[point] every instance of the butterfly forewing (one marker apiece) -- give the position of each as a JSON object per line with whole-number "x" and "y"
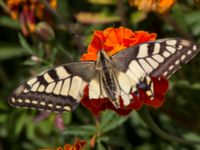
{"x": 57, "y": 90}
{"x": 158, "y": 58}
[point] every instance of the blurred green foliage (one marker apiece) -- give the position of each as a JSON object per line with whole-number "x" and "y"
{"x": 22, "y": 57}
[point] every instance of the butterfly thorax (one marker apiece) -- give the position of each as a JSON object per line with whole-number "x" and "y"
{"x": 107, "y": 76}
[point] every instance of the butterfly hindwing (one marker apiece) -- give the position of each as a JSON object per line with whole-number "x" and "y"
{"x": 157, "y": 58}
{"x": 57, "y": 90}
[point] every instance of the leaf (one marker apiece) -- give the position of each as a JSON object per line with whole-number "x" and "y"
{"x": 53, "y": 55}
{"x": 30, "y": 130}
{"x": 138, "y": 16}
{"x": 100, "y": 146}
{"x": 192, "y": 17}
{"x": 9, "y": 52}
{"x": 8, "y": 22}
{"x": 96, "y": 18}
{"x": 25, "y": 44}
{"x": 3, "y": 118}
{"x": 87, "y": 130}
{"x": 20, "y": 123}
{"x": 110, "y": 120}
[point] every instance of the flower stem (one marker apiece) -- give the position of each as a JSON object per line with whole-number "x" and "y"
{"x": 146, "y": 117}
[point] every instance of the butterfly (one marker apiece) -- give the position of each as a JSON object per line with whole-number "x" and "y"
{"x": 61, "y": 88}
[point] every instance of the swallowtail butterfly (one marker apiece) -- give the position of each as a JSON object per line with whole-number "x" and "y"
{"x": 61, "y": 88}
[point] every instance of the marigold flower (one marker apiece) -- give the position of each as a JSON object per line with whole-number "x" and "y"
{"x": 29, "y": 12}
{"x": 77, "y": 146}
{"x": 160, "y": 6}
{"x": 113, "y": 40}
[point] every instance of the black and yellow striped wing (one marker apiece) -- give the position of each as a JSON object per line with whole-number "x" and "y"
{"x": 57, "y": 90}
{"x": 158, "y": 58}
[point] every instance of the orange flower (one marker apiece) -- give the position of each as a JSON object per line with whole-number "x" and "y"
{"x": 77, "y": 146}
{"x": 160, "y": 6}
{"x": 29, "y": 12}
{"x": 113, "y": 40}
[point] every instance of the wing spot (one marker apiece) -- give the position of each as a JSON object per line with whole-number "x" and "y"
{"x": 189, "y": 52}
{"x": 185, "y": 43}
{"x": 149, "y": 93}
{"x": 67, "y": 108}
{"x": 180, "y": 47}
{"x": 171, "y": 42}
{"x": 171, "y": 49}
{"x": 145, "y": 66}
{"x": 48, "y": 78}
{"x": 58, "y": 106}
{"x": 57, "y": 88}
{"x": 143, "y": 51}
{"x": 194, "y": 47}
{"x": 65, "y": 87}
{"x": 152, "y": 62}
{"x": 75, "y": 87}
{"x": 35, "y": 102}
{"x": 61, "y": 72}
{"x": 177, "y": 62}
{"x": 13, "y": 99}
{"x": 27, "y": 101}
{"x": 35, "y": 87}
{"x": 41, "y": 88}
{"x": 158, "y": 58}
{"x": 156, "y": 48}
{"x": 50, "y": 87}
{"x": 42, "y": 103}
{"x": 32, "y": 81}
{"x": 135, "y": 67}
{"x": 165, "y": 73}
{"x": 50, "y": 105}
{"x": 20, "y": 100}
{"x": 25, "y": 90}
{"x": 171, "y": 67}
{"x": 166, "y": 54}
{"x": 183, "y": 57}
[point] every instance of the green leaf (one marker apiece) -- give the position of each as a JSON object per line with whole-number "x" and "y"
{"x": 192, "y": 17}
{"x": 110, "y": 121}
{"x": 20, "y": 123}
{"x": 3, "y": 118}
{"x": 8, "y": 22}
{"x": 25, "y": 44}
{"x": 87, "y": 130}
{"x": 9, "y": 52}
{"x": 53, "y": 56}
{"x": 100, "y": 146}
{"x": 137, "y": 17}
{"x": 30, "y": 130}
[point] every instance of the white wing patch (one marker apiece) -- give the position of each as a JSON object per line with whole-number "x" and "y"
{"x": 126, "y": 84}
{"x": 96, "y": 89}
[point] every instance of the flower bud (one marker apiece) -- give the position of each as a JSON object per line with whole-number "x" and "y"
{"x": 44, "y": 32}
